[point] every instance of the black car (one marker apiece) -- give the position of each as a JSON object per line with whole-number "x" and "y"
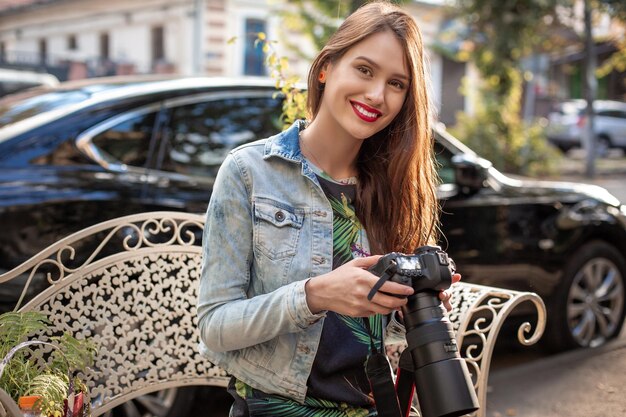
{"x": 87, "y": 152}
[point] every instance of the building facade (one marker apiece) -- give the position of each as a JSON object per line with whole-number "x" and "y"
{"x": 75, "y": 39}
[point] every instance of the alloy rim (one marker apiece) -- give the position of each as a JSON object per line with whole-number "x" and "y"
{"x": 595, "y": 302}
{"x": 156, "y": 404}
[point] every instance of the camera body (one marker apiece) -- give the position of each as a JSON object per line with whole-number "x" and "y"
{"x": 442, "y": 380}
{"x": 429, "y": 268}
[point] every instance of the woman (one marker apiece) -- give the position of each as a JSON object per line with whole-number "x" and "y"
{"x": 283, "y": 295}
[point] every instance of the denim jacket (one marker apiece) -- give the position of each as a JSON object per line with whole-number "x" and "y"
{"x": 268, "y": 230}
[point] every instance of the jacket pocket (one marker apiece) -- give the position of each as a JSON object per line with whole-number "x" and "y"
{"x": 276, "y": 228}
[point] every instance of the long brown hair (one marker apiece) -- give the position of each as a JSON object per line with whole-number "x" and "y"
{"x": 396, "y": 200}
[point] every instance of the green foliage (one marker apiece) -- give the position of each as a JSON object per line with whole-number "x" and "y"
{"x": 501, "y": 35}
{"x": 14, "y": 328}
{"x": 25, "y": 374}
{"x": 53, "y": 389}
{"x": 496, "y": 130}
{"x": 295, "y": 97}
{"x": 514, "y": 147}
{"x": 317, "y": 20}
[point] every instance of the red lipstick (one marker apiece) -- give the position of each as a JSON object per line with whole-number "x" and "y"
{"x": 365, "y": 113}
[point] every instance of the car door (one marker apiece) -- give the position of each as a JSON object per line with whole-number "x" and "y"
{"x": 198, "y": 133}
{"x": 614, "y": 123}
{"x": 486, "y": 231}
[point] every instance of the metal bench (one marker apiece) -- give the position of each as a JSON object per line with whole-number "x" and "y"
{"x": 130, "y": 284}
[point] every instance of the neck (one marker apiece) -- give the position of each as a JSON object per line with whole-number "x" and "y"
{"x": 335, "y": 156}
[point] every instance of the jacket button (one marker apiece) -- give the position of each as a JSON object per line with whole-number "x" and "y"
{"x": 279, "y": 216}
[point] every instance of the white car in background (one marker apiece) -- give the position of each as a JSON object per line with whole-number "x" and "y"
{"x": 566, "y": 125}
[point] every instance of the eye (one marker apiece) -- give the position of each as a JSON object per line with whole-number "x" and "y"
{"x": 364, "y": 70}
{"x": 397, "y": 84}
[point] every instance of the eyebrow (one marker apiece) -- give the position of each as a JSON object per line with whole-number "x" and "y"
{"x": 375, "y": 65}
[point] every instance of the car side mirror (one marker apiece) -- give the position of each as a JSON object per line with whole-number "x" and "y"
{"x": 470, "y": 172}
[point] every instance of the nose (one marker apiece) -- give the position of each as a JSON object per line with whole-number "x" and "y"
{"x": 375, "y": 94}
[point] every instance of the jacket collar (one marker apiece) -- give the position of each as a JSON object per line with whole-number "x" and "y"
{"x": 286, "y": 144}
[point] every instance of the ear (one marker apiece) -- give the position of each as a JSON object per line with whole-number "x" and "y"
{"x": 324, "y": 73}
{"x": 328, "y": 66}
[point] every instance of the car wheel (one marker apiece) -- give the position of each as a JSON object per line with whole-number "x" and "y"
{"x": 603, "y": 145}
{"x": 564, "y": 148}
{"x": 588, "y": 307}
{"x": 172, "y": 402}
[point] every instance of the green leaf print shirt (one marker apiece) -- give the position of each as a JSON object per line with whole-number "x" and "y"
{"x": 337, "y": 385}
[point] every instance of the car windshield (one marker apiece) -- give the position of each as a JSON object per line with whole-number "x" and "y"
{"x": 15, "y": 110}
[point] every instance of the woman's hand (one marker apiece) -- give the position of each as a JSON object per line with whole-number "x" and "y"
{"x": 445, "y": 296}
{"x": 345, "y": 289}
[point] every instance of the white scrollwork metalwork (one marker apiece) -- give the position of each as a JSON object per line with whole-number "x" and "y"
{"x": 477, "y": 315}
{"x": 130, "y": 284}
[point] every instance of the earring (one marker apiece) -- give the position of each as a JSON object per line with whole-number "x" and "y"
{"x": 322, "y": 77}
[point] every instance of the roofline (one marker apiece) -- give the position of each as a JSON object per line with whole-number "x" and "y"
{"x": 27, "y": 7}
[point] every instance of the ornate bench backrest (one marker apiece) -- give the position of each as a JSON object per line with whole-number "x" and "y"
{"x": 130, "y": 284}
{"x": 133, "y": 292}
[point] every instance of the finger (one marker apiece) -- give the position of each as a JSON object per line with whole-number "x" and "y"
{"x": 388, "y": 301}
{"x": 366, "y": 261}
{"x": 456, "y": 278}
{"x": 378, "y": 309}
{"x": 396, "y": 288}
{"x": 445, "y": 297}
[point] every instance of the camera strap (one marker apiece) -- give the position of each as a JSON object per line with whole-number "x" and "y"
{"x": 385, "y": 276}
{"x": 379, "y": 374}
{"x": 405, "y": 381}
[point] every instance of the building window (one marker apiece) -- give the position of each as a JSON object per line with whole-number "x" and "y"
{"x": 105, "y": 52}
{"x": 158, "y": 46}
{"x": 3, "y": 51}
{"x": 72, "y": 43}
{"x": 253, "y": 55}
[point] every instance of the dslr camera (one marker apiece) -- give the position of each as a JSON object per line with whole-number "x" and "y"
{"x": 441, "y": 378}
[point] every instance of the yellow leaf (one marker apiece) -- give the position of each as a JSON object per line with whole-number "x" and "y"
{"x": 261, "y": 36}
{"x": 231, "y": 40}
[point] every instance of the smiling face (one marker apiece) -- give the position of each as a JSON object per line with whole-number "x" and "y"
{"x": 365, "y": 88}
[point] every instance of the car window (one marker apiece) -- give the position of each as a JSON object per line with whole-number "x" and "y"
{"x": 200, "y": 135}
{"x": 444, "y": 162}
{"x": 613, "y": 113}
{"x": 128, "y": 141}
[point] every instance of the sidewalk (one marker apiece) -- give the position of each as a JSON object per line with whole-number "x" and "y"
{"x": 610, "y": 172}
{"x": 580, "y": 383}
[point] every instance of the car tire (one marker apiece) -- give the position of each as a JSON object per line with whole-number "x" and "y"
{"x": 603, "y": 146}
{"x": 172, "y": 402}
{"x": 587, "y": 309}
{"x": 564, "y": 148}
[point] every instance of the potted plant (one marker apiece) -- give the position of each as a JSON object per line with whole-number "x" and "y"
{"x": 46, "y": 386}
